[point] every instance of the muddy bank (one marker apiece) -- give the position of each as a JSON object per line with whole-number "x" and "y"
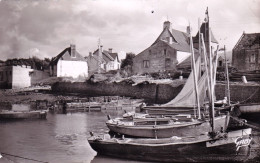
{"x": 155, "y": 93}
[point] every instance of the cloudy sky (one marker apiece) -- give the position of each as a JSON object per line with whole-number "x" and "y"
{"x": 45, "y": 27}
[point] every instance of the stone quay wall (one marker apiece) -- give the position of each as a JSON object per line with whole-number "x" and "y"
{"x": 154, "y": 93}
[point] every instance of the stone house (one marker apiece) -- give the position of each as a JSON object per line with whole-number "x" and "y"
{"x": 246, "y": 53}
{"x": 69, "y": 63}
{"x": 169, "y": 49}
{"x": 108, "y": 61}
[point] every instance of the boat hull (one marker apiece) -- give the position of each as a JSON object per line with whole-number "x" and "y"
{"x": 249, "y": 108}
{"x": 187, "y": 129}
{"x": 23, "y": 115}
{"x": 199, "y": 150}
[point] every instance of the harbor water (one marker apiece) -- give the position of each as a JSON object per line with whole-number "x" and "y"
{"x": 62, "y": 138}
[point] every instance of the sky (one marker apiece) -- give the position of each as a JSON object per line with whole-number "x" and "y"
{"x": 44, "y": 28}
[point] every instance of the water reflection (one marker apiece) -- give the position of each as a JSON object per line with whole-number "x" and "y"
{"x": 60, "y": 138}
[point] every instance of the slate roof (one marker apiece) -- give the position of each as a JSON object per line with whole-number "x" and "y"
{"x": 66, "y": 55}
{"x": 180, "y": 40}
{"x": 248, "y": 40}
{"x": 204, "y": 29}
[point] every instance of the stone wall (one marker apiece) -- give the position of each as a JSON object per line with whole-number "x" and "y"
{"x": 156, "y": 58}
{"x": 153, "y": 93}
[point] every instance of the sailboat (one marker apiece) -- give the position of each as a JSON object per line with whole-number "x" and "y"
{"x": 230, "y": 146}
{"x": 191, "y": 96}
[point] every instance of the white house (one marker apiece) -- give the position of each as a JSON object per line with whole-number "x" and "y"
{"x": 15, "y": 76}
{"x": 107, "y": 60}
{"x": 69, "y": 63}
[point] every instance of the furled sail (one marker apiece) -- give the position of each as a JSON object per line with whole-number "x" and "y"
{"x": 187, "y": 98}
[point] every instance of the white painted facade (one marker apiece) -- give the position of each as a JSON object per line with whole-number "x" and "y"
{"x": 15, "y": 76}
{"x": 113, "y": 65}
{"x": 72, "y": 69}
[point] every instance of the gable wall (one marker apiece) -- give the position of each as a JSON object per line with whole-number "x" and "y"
{"x": 156, "y": 59}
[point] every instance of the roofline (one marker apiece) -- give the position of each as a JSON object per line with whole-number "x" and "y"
{"x": 165, "y": 28}
{"x": 239, "y": 41}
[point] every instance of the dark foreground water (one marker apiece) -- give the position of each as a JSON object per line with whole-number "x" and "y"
{"x": 62, "y": 138}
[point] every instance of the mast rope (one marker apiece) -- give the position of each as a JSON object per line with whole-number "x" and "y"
{"x": 23, "y": 157}
{"x": 250, "y": 95}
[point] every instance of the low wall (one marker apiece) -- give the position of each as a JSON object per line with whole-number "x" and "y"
{"x": 155, "y": 93}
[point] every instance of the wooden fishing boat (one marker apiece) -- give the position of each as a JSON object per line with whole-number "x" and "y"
{"x": 249, "y": 108}
{"x": 37, "y": 114}
{"x": 164, "y": 127}
{"x": 230, "y": 146}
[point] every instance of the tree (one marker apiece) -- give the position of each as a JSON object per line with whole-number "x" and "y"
{"x": 128, "y": 60}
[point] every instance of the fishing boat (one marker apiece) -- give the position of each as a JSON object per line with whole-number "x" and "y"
{"x": 164, "y": 127}
{"x": 250, "y": 109}
{"x": 12, "y": 115}
{"x": 227, "y": 146}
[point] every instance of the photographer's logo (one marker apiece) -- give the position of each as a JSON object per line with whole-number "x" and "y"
{"x": 242, "y": 141}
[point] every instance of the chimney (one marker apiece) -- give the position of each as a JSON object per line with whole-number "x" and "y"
{"x": 167, "y": 25}
{"x": 110, "y": 50}
{"x": 73, "y": 50}
{"x": 90, "y": 54}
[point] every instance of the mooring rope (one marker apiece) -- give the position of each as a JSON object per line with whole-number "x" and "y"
{"x": 250, "y": 96}
{"x": 22, "y": 157}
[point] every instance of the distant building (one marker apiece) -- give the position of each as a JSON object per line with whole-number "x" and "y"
{"x": 20, "y": 76}
{"x": 169, "y": 49}
{"x": 15, "y": 76}
{"x": 69, "y": 63}
{"x": 108, "y": 61}
{"x": 246, "y": 53}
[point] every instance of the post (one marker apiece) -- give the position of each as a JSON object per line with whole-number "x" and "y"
{"x": 227, "y": 76}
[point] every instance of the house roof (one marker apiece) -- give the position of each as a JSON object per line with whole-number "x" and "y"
{"x": 66, "y": 55}
{"x": 180, "y": 40}
{"x": 204, "y": 29}
{"x": 107, "y": 56}
{"x": 248, "y": 40}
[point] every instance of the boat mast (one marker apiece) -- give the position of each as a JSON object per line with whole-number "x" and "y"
{"x": 211, "y": 110}
{"x": 206, "y": 65}
{"x": 227, "y": 77}
{"x": 194, "y": 75}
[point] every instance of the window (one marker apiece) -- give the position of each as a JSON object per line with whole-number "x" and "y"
{"x": 146, "y": 64}
{"x": 220, "y": 63}
{"x": 167, "y": 62}
{"x": 164, "y": 51}
{"x": 150, "y": 52}
{"x": 1, "y": 76}
{"x": 252, "y": 58}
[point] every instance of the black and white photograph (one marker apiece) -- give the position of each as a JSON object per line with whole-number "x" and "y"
{"x": 115, "y": 81}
